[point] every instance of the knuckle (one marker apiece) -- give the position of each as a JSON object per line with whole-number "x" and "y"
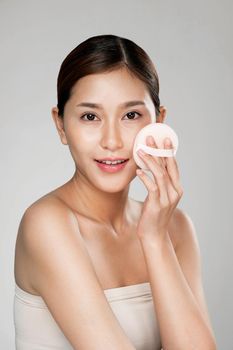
{"x": 181, "y": 191}
{"x": 175, "y": 199}
{"x": 161, "y": 175}
{"x": 153, "y": 189}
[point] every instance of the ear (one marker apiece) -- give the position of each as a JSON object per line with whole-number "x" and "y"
{"x": 59, "y": 122}
{"x": 162, "y": 114}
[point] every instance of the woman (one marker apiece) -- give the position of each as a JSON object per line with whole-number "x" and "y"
{"x": 95, "y": 269}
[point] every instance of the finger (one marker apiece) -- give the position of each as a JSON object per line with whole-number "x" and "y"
{"x": 172, "y": 168}
{"x": 172, "y": 193}
{"x": 151, "y": 142}
{"x": 160, "y": 175}
{"x": 151, "y": 186}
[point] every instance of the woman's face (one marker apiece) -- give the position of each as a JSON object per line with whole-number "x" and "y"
{"x": 104, "y": 128}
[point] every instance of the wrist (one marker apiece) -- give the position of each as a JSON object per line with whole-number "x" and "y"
{"x": 157, "y": 239}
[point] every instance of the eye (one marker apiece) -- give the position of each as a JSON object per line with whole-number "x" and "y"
{"x": 88, "y": 114}
{"x": 132, "y": 114}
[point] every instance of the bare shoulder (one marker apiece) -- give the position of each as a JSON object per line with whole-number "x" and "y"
{"x": 63, "y": 275}
{"x": 49, "y": 210}
{"x": 45, "y": 225}
{"x": 182, "y": 229}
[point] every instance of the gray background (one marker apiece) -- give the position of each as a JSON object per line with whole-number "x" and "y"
{"x": 190, "y": 43}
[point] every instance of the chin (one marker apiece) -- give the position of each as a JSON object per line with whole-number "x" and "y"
{"x": 112, "y": 186}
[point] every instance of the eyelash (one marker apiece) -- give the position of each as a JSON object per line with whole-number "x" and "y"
{"x": 94, "y": 115}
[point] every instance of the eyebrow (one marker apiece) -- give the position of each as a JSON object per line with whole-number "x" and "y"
{"x": 99, "y": 106}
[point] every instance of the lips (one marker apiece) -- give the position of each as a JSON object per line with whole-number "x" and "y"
{"x": 101, "y": 161}
{"x": 111, "y": 168}
{"x": 111, "y": 159}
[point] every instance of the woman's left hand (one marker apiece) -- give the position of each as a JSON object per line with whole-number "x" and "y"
{"x": 164, "y": 193}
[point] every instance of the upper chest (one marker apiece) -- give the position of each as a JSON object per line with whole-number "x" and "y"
{"x": 118, "y": 259}
{"x": 113, "y": 255}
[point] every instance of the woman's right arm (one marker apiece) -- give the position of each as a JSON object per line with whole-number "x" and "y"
{"x": 61, "y": 271}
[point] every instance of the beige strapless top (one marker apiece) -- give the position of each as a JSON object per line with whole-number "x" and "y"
{"x": 36, "y": 329}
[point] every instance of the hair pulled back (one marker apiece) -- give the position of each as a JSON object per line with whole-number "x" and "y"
{"x": 104, "y": 53}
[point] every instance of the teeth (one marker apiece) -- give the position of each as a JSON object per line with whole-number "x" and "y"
{"x": 115, "y": 162}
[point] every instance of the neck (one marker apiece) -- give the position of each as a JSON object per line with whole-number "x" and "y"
{"x": 110, "y": 209}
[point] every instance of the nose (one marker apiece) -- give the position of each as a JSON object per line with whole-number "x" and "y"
{"x": 111, "y": 137}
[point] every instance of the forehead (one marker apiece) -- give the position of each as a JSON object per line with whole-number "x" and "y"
{"x": 119, "y": 85}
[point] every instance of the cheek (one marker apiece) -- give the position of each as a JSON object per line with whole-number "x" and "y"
{"x": 131, "y": 135}
{"x": 81, "y": 139}
{"x": 129, "y": 143}
{"x": 81, "y": 145}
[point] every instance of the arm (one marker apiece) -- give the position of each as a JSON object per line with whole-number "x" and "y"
{"x": 176, "y": 285}
{"x": 61, "y": 271}
{"x": 175, "y": 279}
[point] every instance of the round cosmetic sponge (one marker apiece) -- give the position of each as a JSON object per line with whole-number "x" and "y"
{"x": 159, "y": 131}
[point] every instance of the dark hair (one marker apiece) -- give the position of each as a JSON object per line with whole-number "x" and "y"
{"x": 104, "y": 53}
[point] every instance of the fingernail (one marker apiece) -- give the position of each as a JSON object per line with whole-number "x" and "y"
{"x": 139, "y": 171}
{"x": 167, "y": 141}
{"x": 150, "y": 139}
